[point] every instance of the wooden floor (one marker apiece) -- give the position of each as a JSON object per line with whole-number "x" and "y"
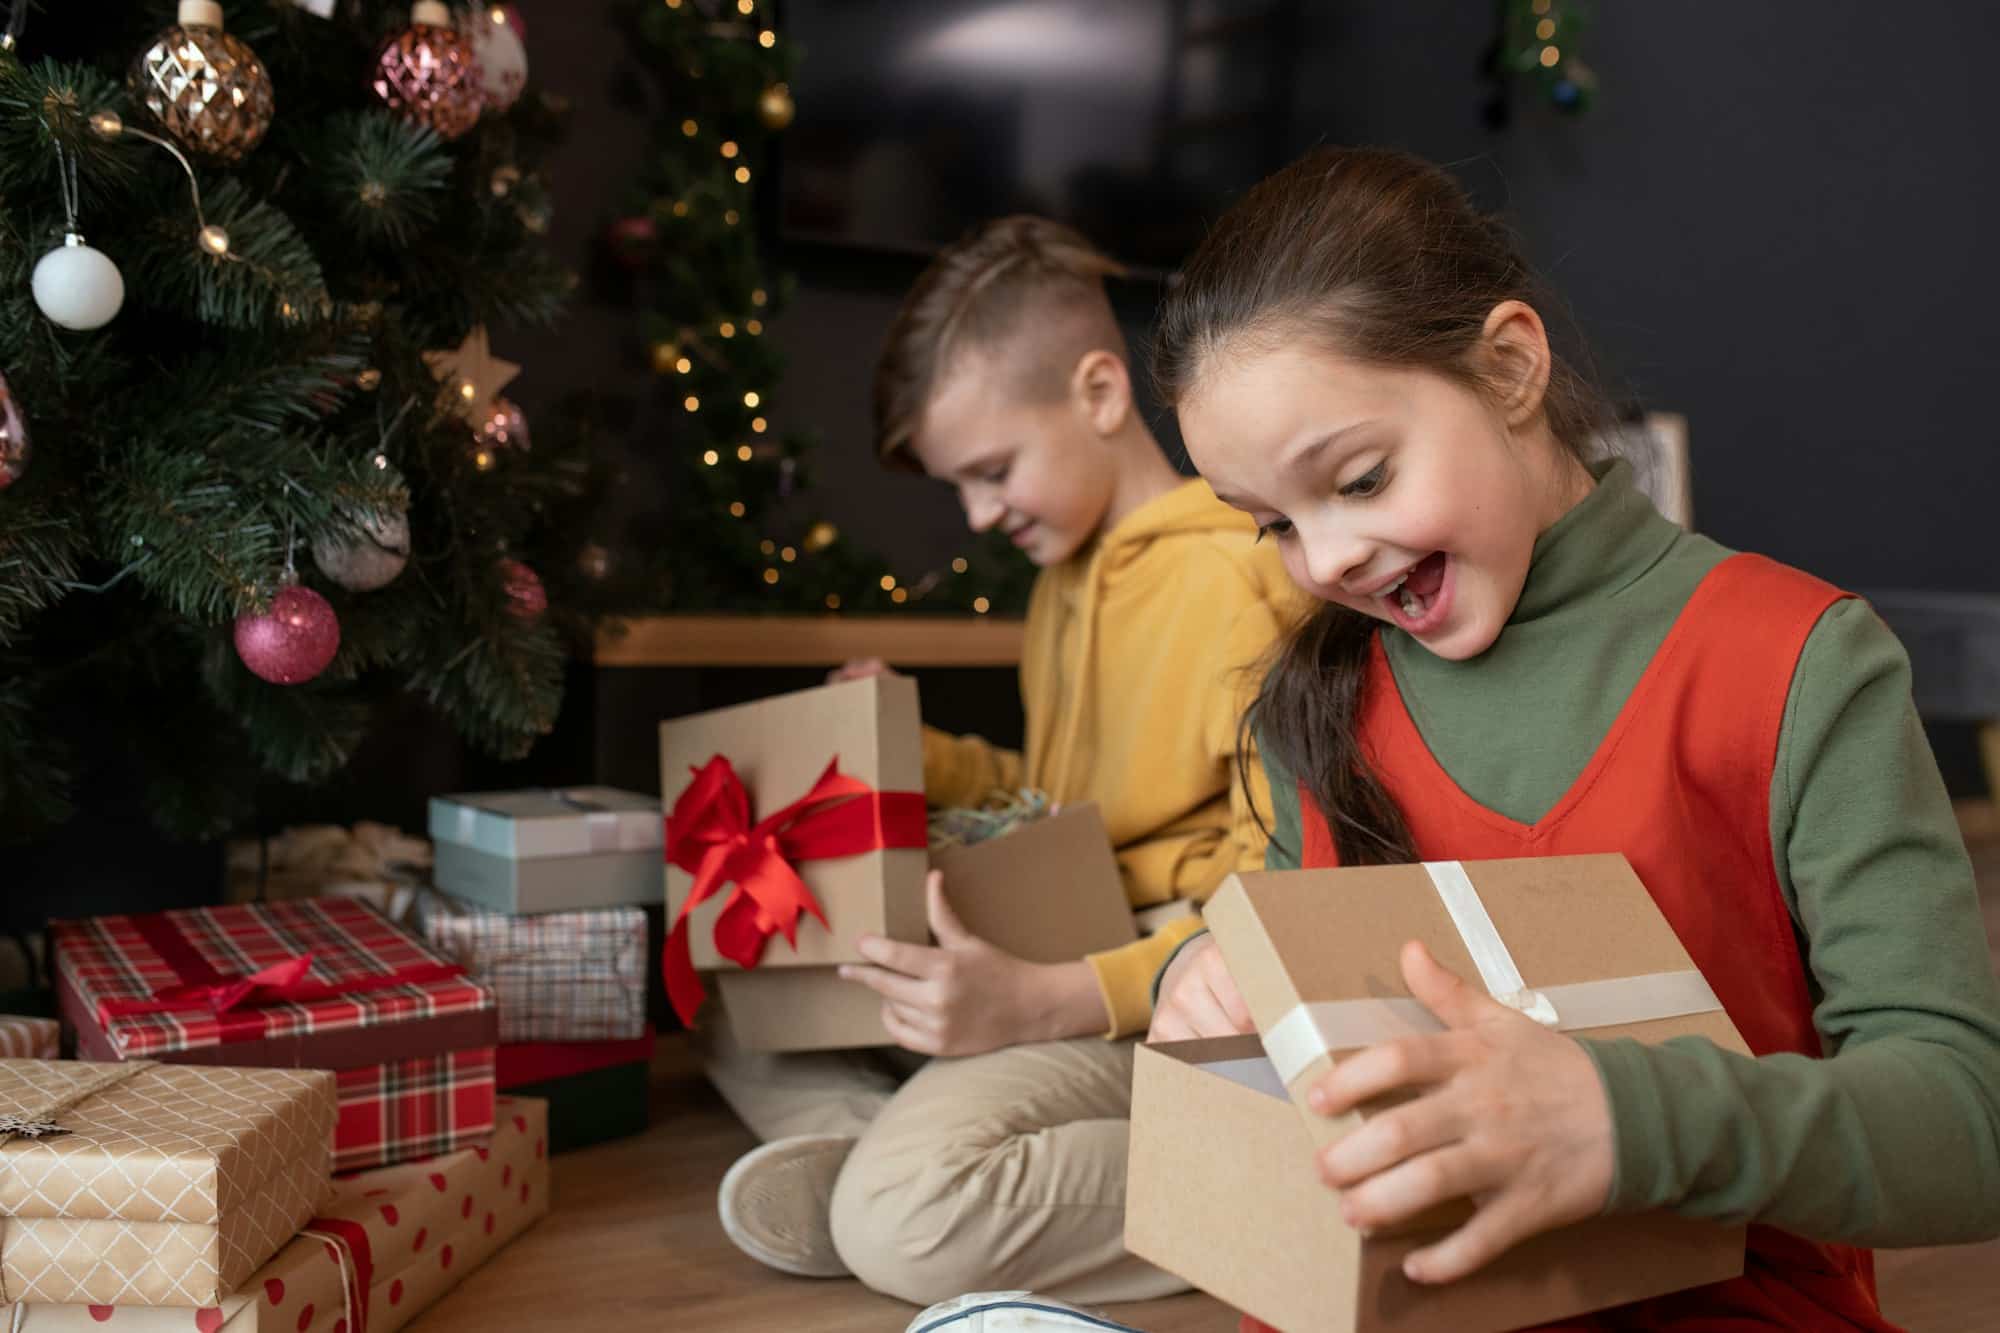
{"x": 634, "y": 1244}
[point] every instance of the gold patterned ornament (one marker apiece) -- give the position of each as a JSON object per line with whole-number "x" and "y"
{"x": 206, "y": 88}
{"x": 428, "y": 74}
{"x": 472, "y": 376}
{"x": 775, "y": 107}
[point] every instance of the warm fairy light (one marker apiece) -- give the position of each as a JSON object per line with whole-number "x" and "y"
{"x": 729, "y": 148}
{"x": 888, "y": 582}
{"x": 1541, "y": 6}
{"x": 690, "y": 129}
{"x": 497, "y": 16}
{"x": 788, "y": 554}
{"x": 745, "y": 6}
{"x": 768, "y": 547}
{"x": 736, "y": 509}
{"x": 483, "y": 459}
{"x": 751, "y": 399}
{"x": 770, "y": 576}
{"x": 1550, "y": 55}
{"x": 680, "y": 208}
{"x": 214, "y": 239}
{"x": 757, "y": 298}
{"x": 107, "y": 124}
{"x": 726, "y": 329}
{"x": 731, "y": 217}
{"x": 691, "y": 403}
{"x": 743, "y": 452}
{"x": 711, "y": 457}
{"x": 959, "y": 566}
{"x": 759, "y": 425}
{"x": 1545, "y": 29}
{"x": 742, "y": 175}
{"x": 684, "y": 365}
{"x": 833, "y": 601}
{"x": 755, "y": 326}
{"x": 981, "y": 605}
{"x": 767, "y": 39}
{"x": 369, "y": 379}
{"x": 466, "y": 391}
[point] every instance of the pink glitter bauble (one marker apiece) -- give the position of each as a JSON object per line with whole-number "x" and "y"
{"x": 524, "y": 586}
{"x": 430, "y": 75}
{"x": 293, "y": 641}
{"x": 13, "y": 438}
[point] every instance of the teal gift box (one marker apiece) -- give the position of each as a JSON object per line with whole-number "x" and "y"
{"x": 548, "y": 850}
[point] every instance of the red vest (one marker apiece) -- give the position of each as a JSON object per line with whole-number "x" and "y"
{"x": 1681, "y": 784}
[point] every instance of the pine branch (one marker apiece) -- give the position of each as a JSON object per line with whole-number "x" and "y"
{"x": 383, "y": 177}
{"x": 269, "y": 275}
{"x": 39, "y": 555}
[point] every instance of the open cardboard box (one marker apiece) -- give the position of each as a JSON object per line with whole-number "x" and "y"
{"x": 1223, "y": 1189}
{"x": 1048, "y": 892}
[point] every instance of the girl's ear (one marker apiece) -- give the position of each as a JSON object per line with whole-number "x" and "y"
{"x": 1515, "y": 348}
{"x": 1101, "y": 388}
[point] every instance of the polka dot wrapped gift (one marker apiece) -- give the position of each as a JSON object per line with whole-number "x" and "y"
{"x": 392, "y": 1243}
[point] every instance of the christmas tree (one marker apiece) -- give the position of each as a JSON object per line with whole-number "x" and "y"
{"x": 257, "y": 474}
{"x": 740, "y": 531}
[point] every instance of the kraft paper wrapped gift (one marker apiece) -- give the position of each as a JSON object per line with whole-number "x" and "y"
{"x": 1223, "y": 1189}
{"x": 1048, "y": 892}
{"x": 24, "y": 1038}
{"x": 550, "y": 850}
{"x": 151, "y": 1184}
{"x": 559, "y": 976}
{"x": 390, "y": 1244}
{"x": 796, "y": 824}
{"x": 320, "y": 983}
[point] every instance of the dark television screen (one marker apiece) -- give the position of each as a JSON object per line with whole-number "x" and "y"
{"x": 1135, "y": 120}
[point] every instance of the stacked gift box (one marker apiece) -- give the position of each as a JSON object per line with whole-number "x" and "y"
{"x": 540, "y": 895}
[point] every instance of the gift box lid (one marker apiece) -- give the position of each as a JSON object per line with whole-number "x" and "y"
{"x": 147, "y": 1142}
{"x": 556, "y": 821}
{"x": 1574, "y": 941}
{"x": 330, "y": 982}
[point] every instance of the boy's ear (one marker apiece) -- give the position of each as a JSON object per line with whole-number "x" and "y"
{"x": 1516, "y": 347}
{"x": 1101, "y": 388}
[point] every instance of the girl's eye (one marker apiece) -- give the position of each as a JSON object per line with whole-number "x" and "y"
{"x": 1368, "y": 483}
{"x": 1277, "y": 527}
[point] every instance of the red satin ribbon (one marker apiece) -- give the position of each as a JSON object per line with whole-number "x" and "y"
{"x": 353, "y": 1237}
{"x": 204, "y": 989}
{"x": 709, "y": 835}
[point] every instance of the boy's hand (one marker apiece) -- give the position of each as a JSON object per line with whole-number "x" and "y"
{"x": 965, "y": 997}
{"x": 860, "y": 669}
{"x": 1511, "y": 1114}
{"x": 1198, "y": 997}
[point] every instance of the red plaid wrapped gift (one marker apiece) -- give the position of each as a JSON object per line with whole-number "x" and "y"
{"x": 315, "y": 984}
{"x": 560, "y": 976}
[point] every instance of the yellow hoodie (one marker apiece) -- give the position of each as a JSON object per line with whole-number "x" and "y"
{"x": 1135, "y": 669}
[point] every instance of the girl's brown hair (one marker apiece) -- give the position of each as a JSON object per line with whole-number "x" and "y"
{"x": 1379, "y": 257}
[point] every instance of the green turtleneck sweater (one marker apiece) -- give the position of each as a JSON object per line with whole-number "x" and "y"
{"x": 1894, "y": 1139}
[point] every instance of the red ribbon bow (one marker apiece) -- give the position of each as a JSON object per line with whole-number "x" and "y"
{"x": 709, "y": 835}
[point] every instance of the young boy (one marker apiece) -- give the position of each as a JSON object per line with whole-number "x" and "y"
{"x": 1005, "y": 375}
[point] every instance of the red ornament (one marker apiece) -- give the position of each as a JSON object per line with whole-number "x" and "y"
{"x": 632, "y": 239}
{"x": 293, "y": 641}
{"x": 428, "y": 73}
{"x": 524, "y": 586}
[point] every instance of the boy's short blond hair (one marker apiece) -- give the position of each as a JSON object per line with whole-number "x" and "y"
{"x": 988, "y": 291}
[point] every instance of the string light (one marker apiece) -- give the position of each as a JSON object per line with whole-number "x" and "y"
{"x": 833, "y": 601}
{"x": 691, "y": 403}
{"x": 1541, "y": 6}
{"x": 466, "y": 391}
{"x": 736, "y": 509}
{"x": 770, "y": 576}
{"x": 788, "y": 554}
{"x": 731, "y": 217}
{"x": 759, "y": 425}
{"x": 673, "y": 4}
{"x": 663, "y": 357}
{"x": 726, "y": 329}
{"x": 959, "y": 566}
{"x": 483, "y": 460}
{"x": 751, "y": 399}
{"x": 743, "y": 452}
{"x": 757, "y": 298}
{"x": 684, "y": 365}
{"x": 756, "y": 326}
{"x": 214, "y": 239}
{"x": 711, "y": 457}
{"x": 981, "y": 605}
{"x": 690, "y": 129}
{"x": 369, "y": 379}
{"x": 742, "y": 175}
{"x": 745, "y": 6}
{"x": 680, "y": 208}
{"x": 899, "y": 596}
{"x": 767, "y": 39}
{"x": 1545, "y": 29}
{"x": 1550, "y": 55}
{"x": 729, "y": 148}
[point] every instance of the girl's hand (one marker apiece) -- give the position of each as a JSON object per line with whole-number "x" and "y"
{"x": 965, "y": 997}
{"x": 1198, "y": 997}
{"x": 860, "y": 668}
{"x": 1510, "y": 1114}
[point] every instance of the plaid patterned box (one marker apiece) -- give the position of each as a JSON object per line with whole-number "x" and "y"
{"x": 150, "y": 1184}
{"x": 391, "y": 1244}
{"x": 325, "y": 983}
{"x": 29, "y": 1038}
{"x": 566, "y": 976}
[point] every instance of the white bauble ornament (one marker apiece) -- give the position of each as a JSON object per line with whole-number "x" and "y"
{"x": 372, "y": 559}
{"x": 78, "y": 287}
{"x": 495, "y": 31}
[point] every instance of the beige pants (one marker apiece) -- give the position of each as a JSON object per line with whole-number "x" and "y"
{"x": 996, "y": 1171}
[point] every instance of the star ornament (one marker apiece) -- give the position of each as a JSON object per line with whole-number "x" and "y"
{"x": 472, "y": 375}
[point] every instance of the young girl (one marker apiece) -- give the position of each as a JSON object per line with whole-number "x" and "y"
{"x": 1518, "y": 656}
